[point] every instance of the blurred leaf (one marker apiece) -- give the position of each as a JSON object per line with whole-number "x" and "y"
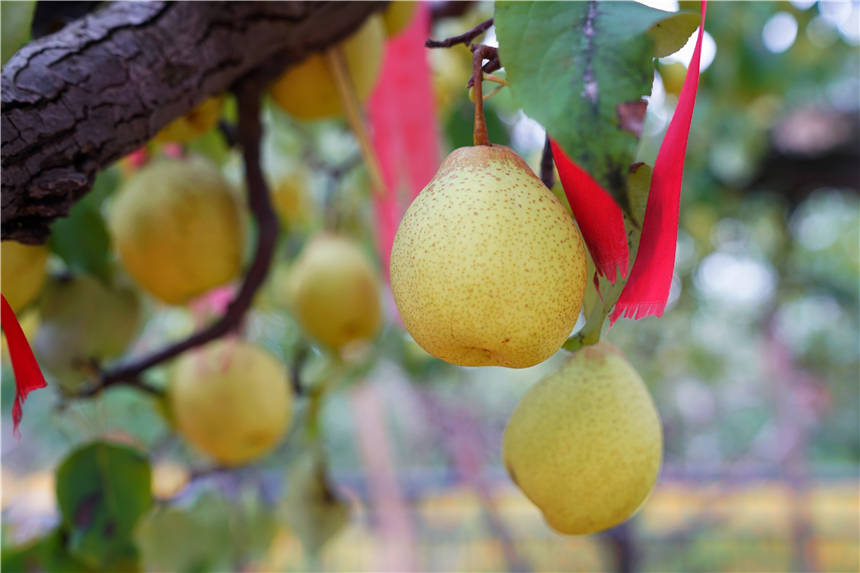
{"x": 185, "y": 539}
{"x": 16, "y": 18}
{"x": 311, "y": 508}
{"x": 671, "y": 34}
{"x": 211, "y": 144}
{"x": 82, "y": 239}
{"x": 49, "y": 553}
{"x": 209, "y": 534}
{"x": 571, "y": 65}
{"x": 102, "y": 490}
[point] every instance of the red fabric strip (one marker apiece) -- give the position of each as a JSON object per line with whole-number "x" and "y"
{"x": 647, "y": 290}
{"x": 28, "y": 375}
{"x": 402, "y": 117}
{"x": 599, "y": 216}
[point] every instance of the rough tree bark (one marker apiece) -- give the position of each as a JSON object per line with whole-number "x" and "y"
{"x": 78, "y": 100}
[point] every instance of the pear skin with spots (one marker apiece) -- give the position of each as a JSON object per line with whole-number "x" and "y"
{"x": 585, "y": 443}
{"x": 487, "y": 267}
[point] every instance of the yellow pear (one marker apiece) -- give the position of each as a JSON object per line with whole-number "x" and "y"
{"x": 335, "y": 292}
{"x": 193, "y": 124}
{"x": 29, "y": 321}
{"x": 22, "y": 272}
{"x": 397, "y": 16}
{"x": 585, "y": 443}
{"x": 307, "y": 91}
{"x": 177, "y": 225}
{"x": 231, "y": 400}
{"x": 83, "y": 320}
{"x": 488, "y": 268}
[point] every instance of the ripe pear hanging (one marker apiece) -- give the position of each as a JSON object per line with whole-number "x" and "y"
{"x": 487, "y": 267}
{"x": 585, "y": 443}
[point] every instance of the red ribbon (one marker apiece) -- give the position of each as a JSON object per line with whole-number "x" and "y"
{"x": 28, "y": 375}
{"x": 402, "y": 116}
{"x": 602, "y": 223}
{"x": 599, "y": 216}
{"x": 647, "y": 290}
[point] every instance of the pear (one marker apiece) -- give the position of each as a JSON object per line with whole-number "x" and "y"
{"x": 487, "y": 267}
{"x": 83, "y": 321}
{"x": 178, "y": 227}
{"x": 193, "y": 124}
{"x": 23, "y": 272}
{"x": 231, "y": 400}
{"x": 307, "y": 90}
{"x": 585, "y": 443}
{"x": 335, "y": 292}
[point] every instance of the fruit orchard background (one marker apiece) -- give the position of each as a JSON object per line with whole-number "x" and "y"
{"x": 754, "y": 366}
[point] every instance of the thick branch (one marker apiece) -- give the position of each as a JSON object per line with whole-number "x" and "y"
{"x": 248, "y": 94}
{"x": 75, "y": 101}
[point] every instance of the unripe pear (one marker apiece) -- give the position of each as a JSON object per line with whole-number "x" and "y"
{"x": 231, "y": 400}
{"x": 177, "y": 225}
{"x": 585, "y": 443}
{"x": 193, "y": 124}
{"x": 335, "y": 292}
{"x": 307, "y": 90}
{"x": 22, "y": 272}
{"x": 487, "y": 267}
{"x": 83, "y": 321}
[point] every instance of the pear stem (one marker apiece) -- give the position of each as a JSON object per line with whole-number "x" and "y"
{"x": 480, "y": 136}
{"x": 352, "y": 107}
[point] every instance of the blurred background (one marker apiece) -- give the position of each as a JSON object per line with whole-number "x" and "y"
{"x": 755, "y": 366}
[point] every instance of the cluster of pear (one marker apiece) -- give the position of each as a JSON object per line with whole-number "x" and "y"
{"x": 489, "y": 269}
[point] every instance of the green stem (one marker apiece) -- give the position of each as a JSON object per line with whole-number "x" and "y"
{"x": 317, "y": 395}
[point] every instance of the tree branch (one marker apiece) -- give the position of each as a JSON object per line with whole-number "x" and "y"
{"x": 464, "y": 38}
{"x": 249, "y": 134}
{"x": 75, "y": 101}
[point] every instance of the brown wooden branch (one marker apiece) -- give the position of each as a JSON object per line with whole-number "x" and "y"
{"x": 75, "y": 101}
{"x": 249, "y": 134}
{"x": 464, "y": 38}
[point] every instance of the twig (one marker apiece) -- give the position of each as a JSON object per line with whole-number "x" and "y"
{"x": 480, "y": 136}
{"x": 249, "y": 133}
{"x": 336, "y": 62}
{"x": 547, "y": 167}
{"x": 490, "y": 54}
{"x": 228, "y": 132}
{"x": 464, "y": 38}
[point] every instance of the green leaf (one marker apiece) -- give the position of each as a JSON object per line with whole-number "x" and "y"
{"x": 49, "y": 553}
{"x": 579, "y": 69}
{"x": 672, "y": 33}
{"x": 102, "y": 490}
{"x": 82, "y": 239}
{"x": 16, "y": 18}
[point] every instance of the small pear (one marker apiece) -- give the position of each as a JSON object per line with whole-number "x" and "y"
{"x": 487, "y": 267}
{"x": 23, "y": 272}
{"x": 232, "y": 400}
{"x": 193, "y": 124}
{"x": 83, "y": 320}
{"x": 178, "y": 227}
{"x": 335, "y": 292}
{"x": 307, "y": 90}
{"x": 585, "y": 443}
